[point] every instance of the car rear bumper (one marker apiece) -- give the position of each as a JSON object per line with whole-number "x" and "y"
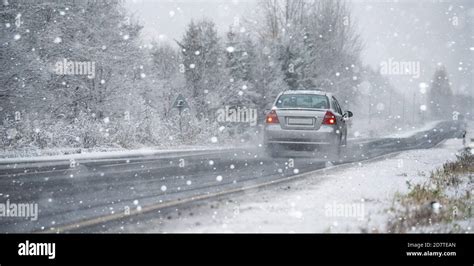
{"x": 325, "y": 135}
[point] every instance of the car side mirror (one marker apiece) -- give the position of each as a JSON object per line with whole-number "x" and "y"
{"x": 348, "y": 114}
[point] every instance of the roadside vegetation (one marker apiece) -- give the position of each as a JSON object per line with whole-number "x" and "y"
{"x": 443, "y": 204}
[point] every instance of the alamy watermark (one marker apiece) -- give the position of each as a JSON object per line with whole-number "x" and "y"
{"x": 393, "y": 67}
{"x": 21, "y": 210}
{"x": 354, "y": 210}
{"x": 69, "y": 67}
{"x": 237, "y": 114}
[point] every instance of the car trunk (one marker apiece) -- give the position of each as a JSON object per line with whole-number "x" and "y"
{"x": 300, "y": 118}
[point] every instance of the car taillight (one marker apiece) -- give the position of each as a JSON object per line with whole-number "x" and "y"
{"x": 272, "y": 117}
{"x": 329, "y": 118}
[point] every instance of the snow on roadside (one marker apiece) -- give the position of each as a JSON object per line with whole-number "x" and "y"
{"x": 320, "y": 203}
{"x": 102, "y": 153}
{"x": 412, "y": 132}
{"x": 108, "y": 154}
{"x": 361, "y": 128}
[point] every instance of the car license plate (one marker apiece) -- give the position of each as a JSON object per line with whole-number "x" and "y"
{"x": 300, "y": 121}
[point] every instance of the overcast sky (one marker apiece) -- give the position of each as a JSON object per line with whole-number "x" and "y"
{"x": 427, "y": 31}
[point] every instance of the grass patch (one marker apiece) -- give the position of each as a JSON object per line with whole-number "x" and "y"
{"x": 442, "y": 204}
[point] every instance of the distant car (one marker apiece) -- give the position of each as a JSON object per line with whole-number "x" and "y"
{"x": 305, "y": 119}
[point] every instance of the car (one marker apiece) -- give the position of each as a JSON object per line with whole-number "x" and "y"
{"x": 305, "y": 119}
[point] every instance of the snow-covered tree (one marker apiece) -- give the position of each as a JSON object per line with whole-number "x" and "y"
{"x": 440, "y": 95}
{"x": 203, "y": 64}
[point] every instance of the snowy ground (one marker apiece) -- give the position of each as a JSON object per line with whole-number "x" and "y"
{"x": 108, "y": 154}
{"x": 346, "y": 198}
{"x": 358, "y": 130}
{"x": 377, "y": 127}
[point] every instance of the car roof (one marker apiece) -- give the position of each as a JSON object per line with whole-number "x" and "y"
{"x": 318, "y": 92}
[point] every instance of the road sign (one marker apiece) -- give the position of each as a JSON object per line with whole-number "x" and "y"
{"x": 180, "y": 103}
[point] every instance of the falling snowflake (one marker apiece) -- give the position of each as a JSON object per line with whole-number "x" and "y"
{"x": 230, "y": 49}
{"x": 126, "y": 37}
{"x": 214, "y": 140}
{"x": 380, "y": 106}
{"x": 219, "y": 178}
{"x": 17, "y": 37}
{"x": 211, "y": 162}
{"x": 163, "y": 188}
{"x": 423, "y": 86}
{"x": 57, "y": 40}
{"x": 192, "y": 66}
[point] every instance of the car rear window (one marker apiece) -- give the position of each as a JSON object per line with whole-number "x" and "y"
{"x": 303, "y": 101}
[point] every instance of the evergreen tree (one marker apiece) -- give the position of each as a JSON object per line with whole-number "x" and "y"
{"x": 440, "y": 95}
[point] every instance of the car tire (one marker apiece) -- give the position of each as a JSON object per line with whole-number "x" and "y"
{"x": 337, "y": 148}
{"x": 271, "y": 150}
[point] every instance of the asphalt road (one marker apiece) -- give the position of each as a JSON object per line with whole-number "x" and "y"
{"x": 77, "y": 198}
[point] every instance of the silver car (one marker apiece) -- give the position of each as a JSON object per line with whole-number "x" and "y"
{"x": 305, "y": 119}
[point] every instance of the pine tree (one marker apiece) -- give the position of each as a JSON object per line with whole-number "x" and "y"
{"x": 203, "y": 64}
